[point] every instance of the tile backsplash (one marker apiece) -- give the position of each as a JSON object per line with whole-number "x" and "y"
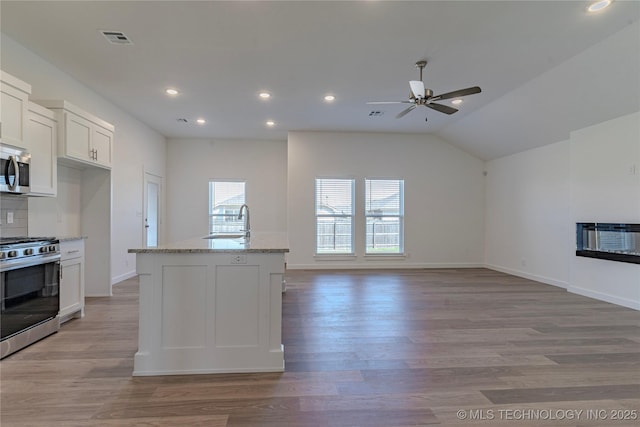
{"x": 18, "y": 207}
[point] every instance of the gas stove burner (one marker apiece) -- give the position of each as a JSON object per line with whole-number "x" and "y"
{"x": 16, "y": 249}
{"x": 24, "y": 239}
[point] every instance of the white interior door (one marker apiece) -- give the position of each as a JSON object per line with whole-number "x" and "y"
{"x": 152, "y": 203}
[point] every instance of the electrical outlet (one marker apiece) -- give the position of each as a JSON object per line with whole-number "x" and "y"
{"x": 9, "y": 217}
{"x": 239, "y": 259}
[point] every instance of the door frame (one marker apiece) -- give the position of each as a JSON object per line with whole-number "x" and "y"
{"x": 157, "y": 179}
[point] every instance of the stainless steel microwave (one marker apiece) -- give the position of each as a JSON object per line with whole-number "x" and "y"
{"x": 14, "y": 170}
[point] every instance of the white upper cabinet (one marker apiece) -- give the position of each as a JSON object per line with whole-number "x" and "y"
{"x": 14, "y": 97}
{"x": 82, "y": 137}
{"x": 41, "y": 142}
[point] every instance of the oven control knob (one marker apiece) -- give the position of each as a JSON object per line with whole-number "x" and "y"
{"x": 52, "y": 248}
{"x": 43, "y": 249}
{"x": 28, "y": 251}
{"x": 12, "y": 254}
{"x": 2, "y": 255}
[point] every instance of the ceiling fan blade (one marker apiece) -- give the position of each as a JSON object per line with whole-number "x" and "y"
{"x": 390, "y": 102}
{"x": 405, "y": 111}
{"x": 442, "y": 108}
{"x": 457, "y": 93}
{"x": 417, "y": 88}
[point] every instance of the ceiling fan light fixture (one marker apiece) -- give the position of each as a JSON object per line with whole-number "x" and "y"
{"x": 424, "y": 97}
{"x": 597, "y": 6}
{"x": 456, "y": 101}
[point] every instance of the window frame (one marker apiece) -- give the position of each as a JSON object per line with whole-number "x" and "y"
{"x": 351, "y": 216}
{"x": 400, "y": 216}
{"x": 227, "y": 217}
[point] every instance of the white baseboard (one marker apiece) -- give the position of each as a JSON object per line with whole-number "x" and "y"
{"x": 625, "y": 302}
{"x": 378, "y": 266}
{"x": 122, "y": 277}
{"x": 535, "y": 277}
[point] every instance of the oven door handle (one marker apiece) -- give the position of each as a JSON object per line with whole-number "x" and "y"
{"x": 29, "y": 262}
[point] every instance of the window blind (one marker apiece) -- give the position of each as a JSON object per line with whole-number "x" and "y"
{"x": 334, "y": 216}
{"x": 384, "y": 211}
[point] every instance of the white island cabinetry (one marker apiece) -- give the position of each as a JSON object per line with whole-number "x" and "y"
{"x": 211, "y": 306}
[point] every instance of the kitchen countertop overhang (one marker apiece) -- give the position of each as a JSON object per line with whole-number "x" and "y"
{"x": 259, "y": 242}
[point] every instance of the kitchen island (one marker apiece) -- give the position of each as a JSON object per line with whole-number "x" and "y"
{"x": 211, "y": 306}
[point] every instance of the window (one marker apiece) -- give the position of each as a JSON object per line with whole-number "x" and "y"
{"x": 225, "y": 199}
{"x": 384, "y": 211}
{"x": 334, "y": 216}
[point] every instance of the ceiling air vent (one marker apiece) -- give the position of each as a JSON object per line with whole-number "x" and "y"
{"x": 376, "y": 113}
{"x": 116, "y": 37}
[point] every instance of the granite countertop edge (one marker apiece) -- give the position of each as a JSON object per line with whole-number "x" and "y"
{"x": 203, "y": 251}
{"x": 260, "y": 242}
{"x": 71, "y": 238}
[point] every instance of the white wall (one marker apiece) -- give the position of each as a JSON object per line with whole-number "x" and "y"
{"x": 444, "y": 196}
{"x": 59, "y": 216}
{"x": 605, "y": 187}
{"x": 193, "y": 163}
{"x": 534, "y": 199}
{"x": 136, "y": 147}
{"x": 527, "y": 227}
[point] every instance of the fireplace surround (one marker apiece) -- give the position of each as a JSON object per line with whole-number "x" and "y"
{"x": 610, "y": 241}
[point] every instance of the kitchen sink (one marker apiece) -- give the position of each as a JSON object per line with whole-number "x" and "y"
{"x": 224, "y": 236}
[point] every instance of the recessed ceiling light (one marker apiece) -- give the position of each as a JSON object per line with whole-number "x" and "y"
{"x": 456, "y": 101}
{"x": 171, "y": 91}
{"x": 598, "y": 5}
{"x": 270, "y": 123}
{"x": 201, "y": 121}
{"x": 329, "y": 98}
{"x": 264, "y": 95}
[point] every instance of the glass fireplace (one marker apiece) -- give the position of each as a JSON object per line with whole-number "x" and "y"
{"x": 615, "y": 242}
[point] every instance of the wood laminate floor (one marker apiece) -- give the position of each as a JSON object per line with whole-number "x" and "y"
{"x": 393, "y": 348}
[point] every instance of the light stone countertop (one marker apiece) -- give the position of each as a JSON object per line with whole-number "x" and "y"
{"x": 70, "y": 238}
{"x": 259, "y": 242}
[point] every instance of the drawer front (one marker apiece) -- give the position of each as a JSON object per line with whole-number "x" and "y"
{"x": 70, "y": 249}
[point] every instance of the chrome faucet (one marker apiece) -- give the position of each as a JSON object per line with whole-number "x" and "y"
{"x": 247, "y": 222}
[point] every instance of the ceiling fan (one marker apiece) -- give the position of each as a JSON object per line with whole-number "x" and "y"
{"x": 422, "y": 96}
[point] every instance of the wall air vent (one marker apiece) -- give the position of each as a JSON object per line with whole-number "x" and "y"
{"x": 116, "y": 37}
{"x": 376, "y": 113}
{"x": 182, "y": 120}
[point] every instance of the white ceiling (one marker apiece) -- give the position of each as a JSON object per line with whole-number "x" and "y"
{"x": 531, "y": 58}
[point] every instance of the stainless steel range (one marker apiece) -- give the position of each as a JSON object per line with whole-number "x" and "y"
{"x": 29, "y": 291}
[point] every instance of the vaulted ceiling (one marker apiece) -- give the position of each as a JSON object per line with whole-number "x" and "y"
{"x": 545, "y": 68}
